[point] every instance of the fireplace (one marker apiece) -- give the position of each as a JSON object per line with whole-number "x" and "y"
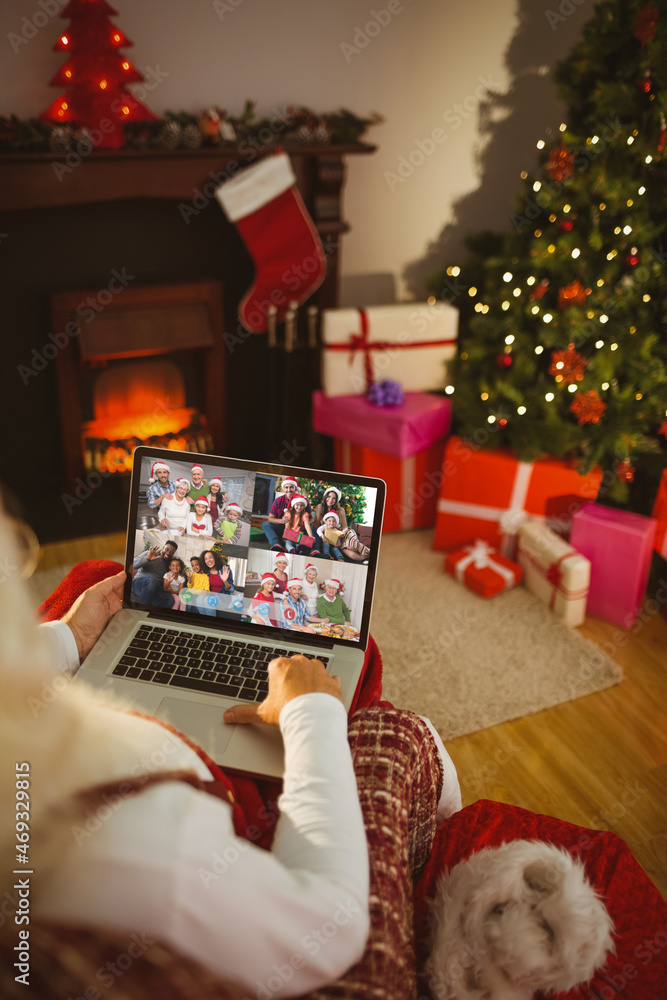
{"x": 120, "y": 213}
{"x": 146, "y": 366}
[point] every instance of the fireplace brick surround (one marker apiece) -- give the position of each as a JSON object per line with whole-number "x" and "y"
{"x": 124, "y": 210}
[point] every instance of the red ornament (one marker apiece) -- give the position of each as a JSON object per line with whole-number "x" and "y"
{"x": 561, "y": 164}
{"x": 568, "y": 366}
{"x": 504, "y": 361}
{"x": 647, "y": 18}
{"x": 566, "y": 225}
{"x": 539, "y": 290}
{"x": 632, "y": 260}
{"x": 96, "y": 75}
{"x": 625, "y": 472}
{"x": 502, "y": 422}
{"x": 587, "y": 407}
{"x": 573, "y": 294}
{"x": 645, "y": 84}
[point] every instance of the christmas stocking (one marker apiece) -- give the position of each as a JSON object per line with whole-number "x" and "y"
{"x": 270, "y": 214}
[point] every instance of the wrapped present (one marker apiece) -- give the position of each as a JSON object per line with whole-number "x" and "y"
{"x": 412, "y": 482}
{"x": 403, "y": 430}
{"x": 298, "y": 537}
{"x": 489, "y": 494}
{"x": 619, "y": 545}
{"x": 410, "y": 342}
{"x": 660, "y": 514}
{"x": 483, "y": 570}
{"x": 554, "y": 571}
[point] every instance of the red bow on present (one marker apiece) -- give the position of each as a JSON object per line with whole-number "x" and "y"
{"x": 555, "y": 575}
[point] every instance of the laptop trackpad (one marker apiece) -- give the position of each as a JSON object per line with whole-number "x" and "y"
{"x": 201, "y": 722}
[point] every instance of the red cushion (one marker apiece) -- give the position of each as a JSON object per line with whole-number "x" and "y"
{"x": 638, "y": 971}
{"x": 82, "y": 576}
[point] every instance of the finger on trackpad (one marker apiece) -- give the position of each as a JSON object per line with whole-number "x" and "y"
{"x": 201, "y": 722}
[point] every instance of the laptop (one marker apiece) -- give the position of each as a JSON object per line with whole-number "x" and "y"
{"x": 201, "y": 620}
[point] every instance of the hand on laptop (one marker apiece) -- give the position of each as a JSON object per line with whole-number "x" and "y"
{"x": 289, "y": 677}
{"x": 90, "y": 613}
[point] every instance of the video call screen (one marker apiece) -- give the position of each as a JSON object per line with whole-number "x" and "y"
{"x": 273, "y": 550}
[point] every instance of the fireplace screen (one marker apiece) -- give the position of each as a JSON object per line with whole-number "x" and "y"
{"x": 140, "y": 403}
{"x": 149, "y": 369}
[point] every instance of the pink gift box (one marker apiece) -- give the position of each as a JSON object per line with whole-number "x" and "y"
{"x": 401, "y": 431}
{"x": 619, "y": 545}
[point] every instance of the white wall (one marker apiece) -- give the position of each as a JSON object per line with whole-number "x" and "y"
{"x": 425, "y": 69}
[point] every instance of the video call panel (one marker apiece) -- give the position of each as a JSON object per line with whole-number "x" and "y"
{"x": 270, "y": 550}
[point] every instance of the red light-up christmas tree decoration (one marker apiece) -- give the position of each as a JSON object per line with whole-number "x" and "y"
{"x": 96, "y": 75}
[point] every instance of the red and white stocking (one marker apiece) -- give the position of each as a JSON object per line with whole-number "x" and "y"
{"x": 270, "y": 215}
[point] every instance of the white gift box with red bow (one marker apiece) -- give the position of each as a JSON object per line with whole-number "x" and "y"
{"x": 554, "y": 571}
{"x": 409, "y": 342}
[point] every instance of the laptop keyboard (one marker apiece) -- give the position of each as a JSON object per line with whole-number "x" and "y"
{"x": 205, "y": 663}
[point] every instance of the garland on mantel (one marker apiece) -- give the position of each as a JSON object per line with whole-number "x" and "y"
{"x": 286, "y": 126}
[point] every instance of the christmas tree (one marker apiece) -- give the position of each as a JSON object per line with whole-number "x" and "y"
{"x": 353, "y": 498}
{"x": 96, "y": 75}
{"x": 563, "y": 349}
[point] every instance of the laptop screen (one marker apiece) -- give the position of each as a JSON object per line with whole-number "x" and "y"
{"x": 260, "y": 546}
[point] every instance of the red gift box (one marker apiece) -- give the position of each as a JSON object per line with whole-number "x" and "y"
{"x": 412, "y": 483}
{"x": 483, "y": 570}
{"x": 660, "y": 514}
{"x": 489, "y": 494}
{"x": 419, "y": 421}
{"x": 298, "y": 537}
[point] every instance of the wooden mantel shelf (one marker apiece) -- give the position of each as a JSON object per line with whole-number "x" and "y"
{"x": 45, "y": 180}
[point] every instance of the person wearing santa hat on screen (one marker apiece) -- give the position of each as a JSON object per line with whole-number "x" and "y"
{"x": 295, "y": 609}
{"x": 228, "y": 527}
{"x": 331, "y": 605}
{"x": 216, "y": 499}
{"x": 199, "y": 520}
{"x": 199, "y": 487}
{"x": 279, "y": 514}
{"x": 161, "y": 485}
{"x": 174, "y": 512}
{"x": 309, "y": 589}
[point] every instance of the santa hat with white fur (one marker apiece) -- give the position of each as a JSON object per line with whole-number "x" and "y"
{"x": 197, "y": 468}
{"x": 310, "y": 566}
{"x": 215, "y": 482}
{"x": 332, "y": 489}
{"x": 290, "y": 479}
{"x": 297, "y": 498}
{"x": 234, "y": 506}
{"x": 336, "y": 584}
{"x": 332, "y": 514}
{"x": 184, "y": 480}
{"x": 294, "y": 582}
{"x": 158, "y": 467}
{"x": 201, "y": 500}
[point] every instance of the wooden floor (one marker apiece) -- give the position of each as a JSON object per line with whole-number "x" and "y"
{"x": 599, "y": 761}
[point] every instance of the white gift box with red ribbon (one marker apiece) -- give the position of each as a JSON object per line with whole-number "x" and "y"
{"x": 554, "y": 571}
{"x": 409, "y": 342}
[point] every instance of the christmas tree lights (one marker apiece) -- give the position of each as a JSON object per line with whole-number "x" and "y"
{"x": 563, "y": 318}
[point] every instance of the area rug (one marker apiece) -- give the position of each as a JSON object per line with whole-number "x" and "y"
{"x": 469, "y": 663}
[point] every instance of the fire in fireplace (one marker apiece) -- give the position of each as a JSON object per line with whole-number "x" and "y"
{"x": 140, "y": 402}
{"x": 148, "y": 369}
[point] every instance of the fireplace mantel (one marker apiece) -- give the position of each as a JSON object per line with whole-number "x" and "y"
{"x": 46, "y": 180}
